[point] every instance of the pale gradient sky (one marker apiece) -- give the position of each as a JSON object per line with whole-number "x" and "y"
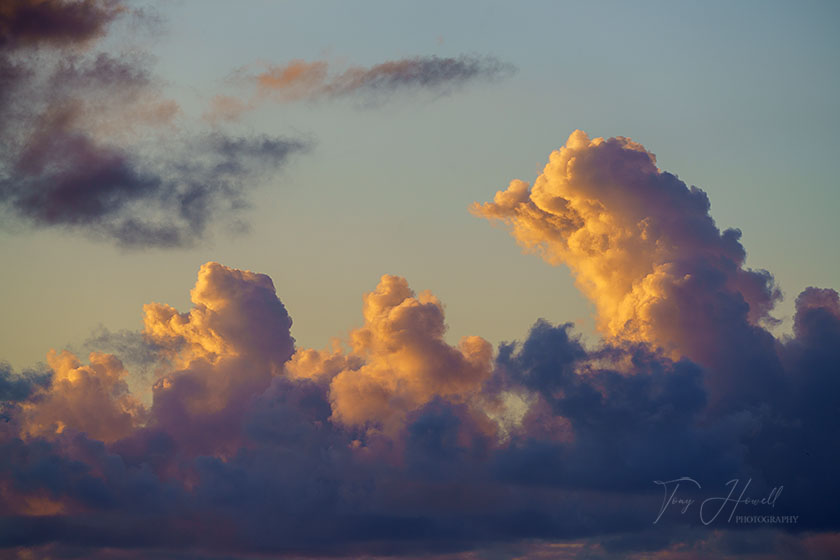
{"x": 739, "y": 99}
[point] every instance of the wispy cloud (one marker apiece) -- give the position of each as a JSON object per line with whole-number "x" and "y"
{"x": 89, "y": 143}
{"x": 301, "y": 80}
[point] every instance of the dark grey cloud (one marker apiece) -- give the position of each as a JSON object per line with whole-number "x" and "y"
{"x": 68, "y": 180}
{"x": 31, "y": 22}
{"x": 431, "y": 72}
{"x": 129, "y": 346}
{"x": 17, "y": 387}
{"x": 89, "y": 144}
{"x": 625, "y": 429}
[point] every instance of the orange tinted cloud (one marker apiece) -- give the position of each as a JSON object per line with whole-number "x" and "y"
{"x": 296, "y": 80}
{"x": 227, "y": 108}
{"x": 399, "y": 360}
{"x": 225, "y": 349}
{"x": 636, "y": 238}
{"x": 93, "y": 399}
{"x": 236, "y": 312}
{"x": 301, "y": 80}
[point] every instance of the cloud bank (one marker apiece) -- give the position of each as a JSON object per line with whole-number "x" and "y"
{"x": 392, "y": 442}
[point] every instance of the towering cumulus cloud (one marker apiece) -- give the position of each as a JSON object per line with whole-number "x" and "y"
{"x": 395, "y": 443}
{"x": 88, "y": 142}
{"x": 642, "y": 246}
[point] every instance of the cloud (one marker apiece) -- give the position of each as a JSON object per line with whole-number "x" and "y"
{"x": 643, "y": 247}
{"x": 236, "y": 313}
{"x": 301, "y": 80}
{"x": 90, "y": 144}
{"x": 130, "y": 346}
{"x": 19, "y": 387}
{"x": 66, "y": 179}
{"x": 226, "y": 351}
{"x": 26, "y": 23}
{"x": 393, "y": 443}
{"x": 93, "y": 399}
{"x": 625, "y": 415}
{"x": 399, "y": 360}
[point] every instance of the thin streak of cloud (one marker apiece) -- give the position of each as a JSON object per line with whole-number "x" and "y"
{"x": 311, "y": 81}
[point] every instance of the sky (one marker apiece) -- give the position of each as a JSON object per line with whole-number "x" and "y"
{"x": 487, "y": 269}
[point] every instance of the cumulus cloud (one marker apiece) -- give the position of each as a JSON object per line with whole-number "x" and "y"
{"x": 225, "y": 350}
{"x": 302, "y": 80}
{"x": 90, "y": 143}
{"x": 392, "y": 442}
{"x": 399, "y": 360}
{"x": 643, "y": 247}
{"x": 93, "y": 399}
{"x": 236, "y": 313}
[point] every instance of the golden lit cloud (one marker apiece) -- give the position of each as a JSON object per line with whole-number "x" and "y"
{"x": 399, "y": 360}
{"x": 236, "y": 312}
{"x": 640, "y": 243}
{"x": 90, "y": 398}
